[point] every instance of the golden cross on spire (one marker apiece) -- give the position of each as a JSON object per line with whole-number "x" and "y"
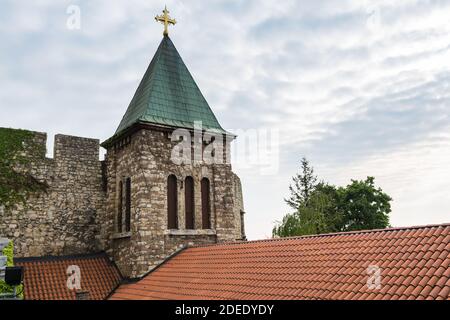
{"x": 166, "y": 20}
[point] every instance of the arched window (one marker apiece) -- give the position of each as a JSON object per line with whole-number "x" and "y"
{"x": 189, "y": 202}
{"x": 206, "y": 204}
{"x": 128, "y": 205}
{"x": 120, "y": 208}
{"x": 172, "y": 202}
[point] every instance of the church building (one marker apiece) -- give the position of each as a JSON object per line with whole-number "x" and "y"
{"x": 162, "y": 217}
{"x": 166, "y": 181}
{"x": 154, "y": 203}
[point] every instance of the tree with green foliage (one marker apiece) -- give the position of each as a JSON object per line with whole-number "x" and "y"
{"x": 325, "y": 208}
{"x": 17, "y": 151}
{"x": 8, "y": 251}
{"x": 364, "y": 206}
{"x": 303, "y": 185}
{"x": 317, "y": 215}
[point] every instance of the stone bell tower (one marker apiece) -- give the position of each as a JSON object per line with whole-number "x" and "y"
{"x": 169, "y": 180}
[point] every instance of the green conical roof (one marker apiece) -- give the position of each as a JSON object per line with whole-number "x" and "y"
{"x": 168, "y": 95}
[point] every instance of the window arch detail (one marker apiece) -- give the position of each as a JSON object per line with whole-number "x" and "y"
{"x": 172, "y": 202}
{"x": 189, "y": 203}
{"x": 206, "y": 204}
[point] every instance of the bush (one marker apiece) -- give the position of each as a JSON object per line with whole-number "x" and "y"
{"x": 8, "y": 251}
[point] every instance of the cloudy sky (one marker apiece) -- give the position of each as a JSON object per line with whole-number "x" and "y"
{"x": 358, "y": 87}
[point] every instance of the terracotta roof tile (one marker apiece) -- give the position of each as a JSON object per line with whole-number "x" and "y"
{"x": 414, "y": 264}
{"x": 445, "y": 292}
{"x": 45, "y": 278}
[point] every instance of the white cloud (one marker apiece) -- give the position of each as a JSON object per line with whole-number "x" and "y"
{"x": 357, "y": 98}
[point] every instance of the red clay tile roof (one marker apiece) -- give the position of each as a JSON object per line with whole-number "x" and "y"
{"x": 413, "y": 264}
{"x": 45, "y": 278}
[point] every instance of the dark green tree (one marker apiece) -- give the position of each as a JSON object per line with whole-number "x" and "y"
{"x": 364, "y": 206}
{"x": 317, "y": 215}
{"x": 303, "y": 185}
{"x": 328, "y": 203}
{"x": 324, "y": 208}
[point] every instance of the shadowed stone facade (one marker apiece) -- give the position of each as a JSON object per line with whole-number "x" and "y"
{"x": 145, "y": 158}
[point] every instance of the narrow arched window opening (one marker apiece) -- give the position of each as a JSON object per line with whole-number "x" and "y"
{"x": 206, "y": 204}
{"x": 189, "y": 202}
{"x": 120, "y": 208}
{"x": 128, "y": 205}
{"x": 172, "y": 202}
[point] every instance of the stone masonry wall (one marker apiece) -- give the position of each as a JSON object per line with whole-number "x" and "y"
{"x": 64, "y": 219}
{"x": 145, "y": 157}
{"x": 239, "y": 212}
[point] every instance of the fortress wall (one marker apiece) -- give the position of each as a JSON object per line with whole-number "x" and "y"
{"x": 62, "y": 220}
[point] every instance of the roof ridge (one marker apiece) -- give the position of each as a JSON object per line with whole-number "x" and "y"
{"x": 141, "y": 84}
{"x": 392, "y": 229}
{"x": 154, "y": 61}
{"x": 65, "y": 257}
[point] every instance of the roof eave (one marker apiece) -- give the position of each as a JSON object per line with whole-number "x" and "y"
{"x": 156, "y": 126}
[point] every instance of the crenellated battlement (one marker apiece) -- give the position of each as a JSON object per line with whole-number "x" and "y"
{"x": 62, "y": 220}
{"x": 65, "y": 147}
{"x": 70, "y": 148}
